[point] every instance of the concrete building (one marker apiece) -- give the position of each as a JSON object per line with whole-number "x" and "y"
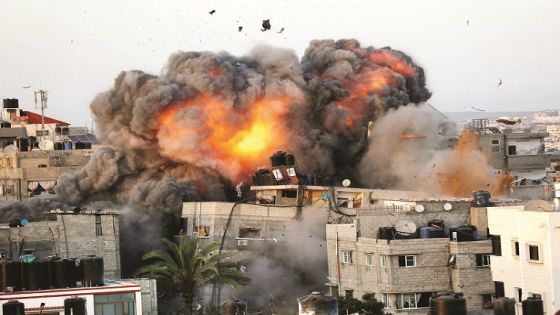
{"x": 519, "y": 153}
{"x": 114, "y": 298}
{"x": 403, "y": 271}
{"x": 526, "y": 259}
{"x": 67, "y": 235}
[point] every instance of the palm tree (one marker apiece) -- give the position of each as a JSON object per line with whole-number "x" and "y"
{"x": 186, "y": 268}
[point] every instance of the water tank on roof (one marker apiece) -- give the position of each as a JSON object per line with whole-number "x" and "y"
{"x": 75, "y": 306}
{"x": 24, "y": 144}
{"x": 504, "y": 306}
{"x": 11, "y": 103}
{"x": 59, "y": 146}
{"x": 65, "y": 273}
{"x": 289, "y": 159}
{"x": 481, "y": 198}
{"x": 13, "y": 308}
{"x": 533, "y": 306}
{"x": 36, "y": 275}
{"x": 67, "y": 145}
{"x": 278, "y": 159}
{"x": 92, "y": 271}
{"x": 10, "y": 275}
{"x": 387, "y": 233}
{"x": 5, "y": 124}
{"x": 448, "y": 305}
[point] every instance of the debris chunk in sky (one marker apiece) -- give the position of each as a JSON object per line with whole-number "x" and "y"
{"x": 212, "y": 12}
{"x": 280, "y": 31}
{"x": 266, "y": 25}
{"x": 240, "y": 28}
{"x": 499, "y": 82}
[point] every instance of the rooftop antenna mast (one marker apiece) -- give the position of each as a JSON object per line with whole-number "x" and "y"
{"x": 43, "y": 98}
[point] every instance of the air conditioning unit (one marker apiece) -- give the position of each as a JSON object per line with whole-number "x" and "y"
{"x": 242, "y": 243}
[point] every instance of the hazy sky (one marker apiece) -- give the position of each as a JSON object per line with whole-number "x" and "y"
{"x": 75, "y": 49}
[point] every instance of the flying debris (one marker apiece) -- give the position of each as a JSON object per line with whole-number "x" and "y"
{"x": 467, "y": 22}
{"x": 240, "y": 28}
{"x": 212, "y": 12}
{"x": 408, "y": 136}
{"x": 478, "y": 109}
{"x": 280, "y": 31}
{"x": 499, "y": 83}
{"x": 26, "y": 87}
{"x": 509, "y": 120}
{"x": 266, "y": 25}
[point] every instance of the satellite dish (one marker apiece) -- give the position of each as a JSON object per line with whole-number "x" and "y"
{"x": 405, "y": 226}
{"x": 46, "y": 145}
{"x": 419, "y": 208}
{"x": 10, "y": 149}
{"x": 447, "y": 206}
{"x": 24, "y": 221}
{"x": 346, "y": 183}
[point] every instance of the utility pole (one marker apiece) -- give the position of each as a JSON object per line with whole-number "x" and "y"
{"x": 43, "y": 97}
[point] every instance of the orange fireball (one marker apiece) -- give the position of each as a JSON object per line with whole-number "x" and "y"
{"x": 209, "y": 132}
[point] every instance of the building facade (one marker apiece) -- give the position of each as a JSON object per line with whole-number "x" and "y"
{"x": 67, "y": 235}
{"x": 403, "y": 271}
{"x": 526, "y": 259}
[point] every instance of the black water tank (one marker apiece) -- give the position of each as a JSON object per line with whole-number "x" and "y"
{"x": 36, "y": 275}
{"x": 24, "y": 144}
{"x": 481, "y": 198}
{"x": 504, "y": 306}
{"x": 277, "y": 159}
{"x": 448, "y": 305}
{"x": 10, "y": 275}
{"x": 75, "y": 306}
{"x": 13, "y": 308}
{"x": 79, "y": 146}
{"x": 387, "y": 233}
{"x": 436, "y": 223}
{"x": 65, "y": 273}
{"x": 436, "y": 233}
{"x": 289, "y": 159}
{"x": 14, "y": 223}
{"x": 59, "y": 146}
{"x": 533, "y": 306}
{"x": 92, "y": 271}
{"x": 5, "y": 124}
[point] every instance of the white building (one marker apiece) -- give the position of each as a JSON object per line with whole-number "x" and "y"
{"x": 526, "y": 260}
{"x": 111, "y": 299}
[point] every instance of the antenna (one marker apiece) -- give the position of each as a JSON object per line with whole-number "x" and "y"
{"x": 43, "y": 97}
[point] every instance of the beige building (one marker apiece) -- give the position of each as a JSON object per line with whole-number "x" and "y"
{"x": 526, "y": 260}
{"x": 67, "y": 235}
{"x": 403, "y": 270}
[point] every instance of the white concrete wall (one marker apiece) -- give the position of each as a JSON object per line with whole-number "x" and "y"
{"x": 527, "y": 227}
{"x": 525, "y": 146}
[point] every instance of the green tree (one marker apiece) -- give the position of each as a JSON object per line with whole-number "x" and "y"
{"x": 186, "y": 268}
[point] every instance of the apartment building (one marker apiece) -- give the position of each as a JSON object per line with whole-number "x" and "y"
{"x": 66, "y": 235}
{"x": 526, "y": 260}
{"x": 404, "y": 269}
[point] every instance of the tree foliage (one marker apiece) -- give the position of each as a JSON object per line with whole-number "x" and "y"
{"x": 186, "y": 268}
{"x": 367, "y": 306}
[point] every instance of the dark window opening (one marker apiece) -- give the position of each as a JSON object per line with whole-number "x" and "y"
{"x": 533, "y": 252}
{"x": 407, "y": 261}
{"x": 202, "y": 230}
{"x": 516, "y": 248}
{"x": 499, "y": 289}
{"x": 518, "y": 294}
{"x": 496, "y": 141}
{"x": 512, "y": 150}
{"x": 98, "y": 227}
{"x": 424, "y": 300}
{"x": 292, "y": 193}
{"x": 496, "y": 245}
{"x": 249, "y": 233}
{"x": 349, "y": 294}
{"x": 487, "y": 301}
{"x": 482, "y": 260}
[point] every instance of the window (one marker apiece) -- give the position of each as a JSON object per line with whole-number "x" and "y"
{"x": 407, "y": 261}
{"x": 202, "y": 231}
{"x": 534, "y": 254}
{"x": 115, "y": 304}
{"x": 408, "y": 300}
{"x": 9, "y": 190}
{"x": 385, "y": 300}
{"x": 518, "y": 294}
{"x": 347, "y": 257}
{"x": 413, "y": 300}
{"x": 369, "y": 259}
{"x": 382, "y": 260}
{"x": 487, "y": 301}
{"x": 39, "y": 133}
{"x": 499, "y": 289}
{"x": 515, "y": 248}
{"x": 496, "y": 141}
{"x": 3, "y": 254}
{"x": 249, "y": 233}
{"x": 291, "y": 193}
{"x": 349, "y": 294}
{"x": 482, "y": 260}
{"x": 496, "y": 245}
{"x": 512, "y": 150}
{"x": 98, "y": 227}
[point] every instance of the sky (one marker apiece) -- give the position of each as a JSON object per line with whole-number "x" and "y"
{"x": 75, "y": 49}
